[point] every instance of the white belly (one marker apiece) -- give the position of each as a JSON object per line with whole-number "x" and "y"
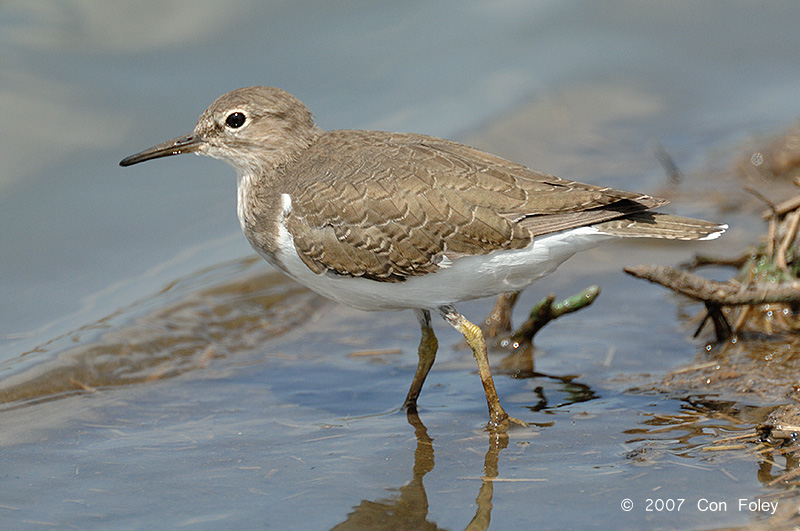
{"x": 466, "y": 278}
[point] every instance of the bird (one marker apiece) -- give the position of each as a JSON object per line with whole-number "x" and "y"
{"x": 403, "y": 221}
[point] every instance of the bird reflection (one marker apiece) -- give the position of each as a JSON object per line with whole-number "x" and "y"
{"x": 483, "y": 515}
{"x": 408, "y": 509}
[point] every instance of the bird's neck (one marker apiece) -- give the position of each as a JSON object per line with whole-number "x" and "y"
{"x": 247, "y": 181}
{"x": 260, "y": 212}
{"x": 259, "y": 189}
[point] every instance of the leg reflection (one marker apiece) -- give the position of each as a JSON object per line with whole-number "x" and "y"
{"x": 483, "y": 516}
{"x": 408, "y": 508}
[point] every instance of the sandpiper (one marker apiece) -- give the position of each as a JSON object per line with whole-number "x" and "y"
{"x": 394, "y": 221}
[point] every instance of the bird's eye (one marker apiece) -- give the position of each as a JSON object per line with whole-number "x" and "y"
{"x": 235, "y": 120}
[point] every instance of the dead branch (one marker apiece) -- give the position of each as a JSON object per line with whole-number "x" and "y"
{"x": 547, "y": 309}
{"x": 714, "y": 292}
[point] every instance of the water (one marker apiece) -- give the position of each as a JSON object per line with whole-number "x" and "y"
{"x": 153, "y": 374}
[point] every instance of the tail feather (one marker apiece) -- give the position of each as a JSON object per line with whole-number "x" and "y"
{"x": 658, "y": 225}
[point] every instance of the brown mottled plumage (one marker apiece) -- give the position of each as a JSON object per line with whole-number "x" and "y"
{"x": 396, "y": 220}
{"x": 387, "y": 206}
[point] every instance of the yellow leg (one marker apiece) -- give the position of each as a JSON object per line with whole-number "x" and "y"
{"x": 498, "y": 418}
{"x": 428, "y": 346}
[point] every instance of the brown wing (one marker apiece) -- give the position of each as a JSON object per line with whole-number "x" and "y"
{"x": 387, "y": 206}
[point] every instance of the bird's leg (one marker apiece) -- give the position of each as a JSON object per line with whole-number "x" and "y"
{"x": 427, "y": 354}
{"x": 498, "y": 418}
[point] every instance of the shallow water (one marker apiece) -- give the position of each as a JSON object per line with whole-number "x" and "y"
{"x": 152, "y": 373}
